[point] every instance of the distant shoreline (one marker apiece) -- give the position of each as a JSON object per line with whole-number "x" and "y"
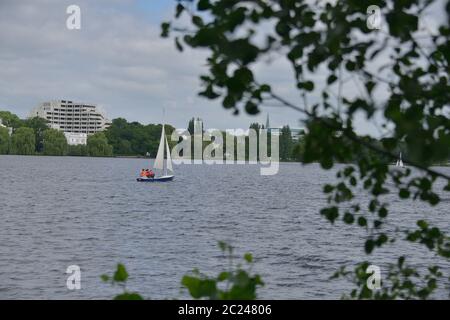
{"x": 150, "y": 158}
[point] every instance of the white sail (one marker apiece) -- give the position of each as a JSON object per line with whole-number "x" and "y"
{"x": 159, "y": 161}
{"x": 169, "y": 158}
{"x": 399, "y": 162}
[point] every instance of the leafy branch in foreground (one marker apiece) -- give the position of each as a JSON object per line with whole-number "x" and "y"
{"x": 399, "y": 74}
{"x": 120, "y": 278}
{"x": 236, "y": 282}
{"x": 402, "y": 282}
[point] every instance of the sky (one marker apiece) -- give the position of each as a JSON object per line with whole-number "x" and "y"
{"x": 118, "y": 61}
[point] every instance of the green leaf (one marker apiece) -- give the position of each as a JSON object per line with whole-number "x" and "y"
{"x": 349, "y": 218}
{"x": 433, "y": 199}
{"x": 121, "y": 274}
{"x": 326, "y": 162}
{"x": 105, "y": 277}
{"x": 404, "y": 193}
{"x": 200, "y": 288}
{"x": 369, "y": 245}
{"x": 370, "y": 85}
{"x": 251, "y": 107}
{"x": 128, "y": 296}
{"x": 307, "y": 85}
{"x": 197, "y": 21}
{"x": 179, "y": 10}
{"x": 331, "y": 213}
{"x": 203, "y": 5}
{"x": 350, "y": 66}
{"x": 331, "y": 79}
{"x": 178, "y": 44}
{"x": 383, "y": 212}
{"x": 382, "y": 238}
{"x": 422, "y": 224}
{"x": 223, "y": 276}
{"x": 248, "y": 257}
{"x": 165, "y": 29}
{"x": 362, "y": 221}
{"x": 265, "y": 88}
{"x": 402, "y": 24}
{"x": 229, "y": 102}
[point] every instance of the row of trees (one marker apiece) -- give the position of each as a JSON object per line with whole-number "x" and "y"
{"x": 54, "y": 143}
{"x": 123, "y": 138}
{"x": 33, "y": 136}
{"x": 290, "y": 149}
{"x": 133, "y": 138}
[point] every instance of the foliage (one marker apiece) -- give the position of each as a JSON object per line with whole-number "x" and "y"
{"x": 298, "y": 150}
{"x": 120, "y": 278}
{"x": 236, "y": 283}
{"x": 4, "y": 140}
{"x": 54, "y": 143}
{"x": 403, "y": 72}
{"x": 39, "y": 125}
{"x": 77, "y": 150}
{"x": 97, "y": 145}
{"x": 10, "y": 120}
{"x": 133, "y": 138}
{"x": 191, "y": 126}
{"x": 257, "y": 127}
{"x": 23, "y": 141}
{"x": 286, "y": 144}
{"x": 403, "y": 282}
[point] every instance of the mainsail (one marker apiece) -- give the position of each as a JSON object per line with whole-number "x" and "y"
{"x": 400, "y": 161}
{"x": 169, "y": 158}
{"x": 159, "y": 161}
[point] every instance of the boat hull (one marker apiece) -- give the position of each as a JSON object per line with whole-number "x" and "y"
{"x": 156, "y": 179}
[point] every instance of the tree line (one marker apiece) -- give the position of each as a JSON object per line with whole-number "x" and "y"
{"x": 34, "y": 137}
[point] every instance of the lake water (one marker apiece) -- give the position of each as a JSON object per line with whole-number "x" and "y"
{"x": 90, "y": 212}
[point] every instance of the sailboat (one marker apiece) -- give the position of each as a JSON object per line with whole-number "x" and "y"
{"x": 167, "y": 169}
{"x": 399, "y": 162}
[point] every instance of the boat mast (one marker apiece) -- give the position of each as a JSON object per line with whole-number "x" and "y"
{"x": 164, "y": 141}
{"x": 164, "y": 151}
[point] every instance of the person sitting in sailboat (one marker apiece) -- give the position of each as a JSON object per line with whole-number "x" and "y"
{"x": 146, "y": 173}
{"x": 149, "y": 173}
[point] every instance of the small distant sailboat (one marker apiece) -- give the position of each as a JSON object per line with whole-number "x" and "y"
{"x": 399, "y": 162}
{"x": 167, "y": 169}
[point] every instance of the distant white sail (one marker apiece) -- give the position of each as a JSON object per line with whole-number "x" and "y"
{"x": 169, "y": 158}
{"x": 159, "y": 161}
{"x": 399, "y": 162}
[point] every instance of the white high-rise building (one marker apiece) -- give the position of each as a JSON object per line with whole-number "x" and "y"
{"x": 73, "y": 117}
